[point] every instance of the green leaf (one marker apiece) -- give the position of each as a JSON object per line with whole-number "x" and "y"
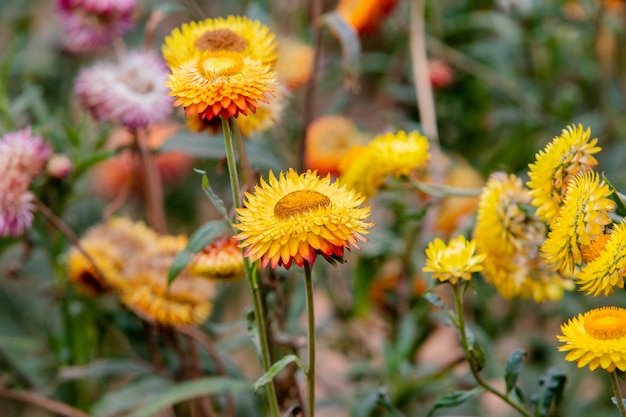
{"x": 215, "y": 199}
{"x": 620, "y": 207}
{"x": 92, "y": 160}
{"x": 350, "y": 48}
{"x": 103, "y": 368}
{"x": 454, "y": 399}
{"x": 276, "y": 368}
{"x": 435, "y": 300}
{"x": 191, "y": 389}
{"x": 125, "y": 399}
{"x": 552, "y": 385}
{"x": 384, "y": 401}
{"x": 513, "y": 368}
{"x": 198, "y": 240}
{"x": 477, "y": 356}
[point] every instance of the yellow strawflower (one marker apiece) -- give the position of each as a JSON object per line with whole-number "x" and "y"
{"x": 453, "y": 262}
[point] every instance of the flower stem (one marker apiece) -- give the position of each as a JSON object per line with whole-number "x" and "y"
{"x": 152, "y": 187}
{"x": 251, "y": 274}
{"x": 618, "y": 394}
{"x": 458, "y": 290}
{"x": 310, "y": 310}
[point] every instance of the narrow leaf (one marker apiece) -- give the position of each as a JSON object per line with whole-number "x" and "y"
{"x": 620, "y": 207}
{"x": 198, "y": 240}
{"x": 550, "y": 394}
{"x": 385, "y": 402}
{"x": 513, "y": 368}
{"x": 276, "y": 368}
{"x": 130, "y": 396}
{"x": 454, "y": 399}
{"x": 192, "y": 389}
{"x": 218, "y": 203}
{"x": 350, "y": 48}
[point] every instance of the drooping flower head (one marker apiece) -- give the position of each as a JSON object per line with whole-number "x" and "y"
{"x": 220, "y": 83}
{"x": 392, "y": 154}
{"x": 328, "y": 140}
{"x": 234, "y": 33}
{"x": 606, "y": 268}
{"x": 511, "y": 238}
{"x": 582, "y": 218}
{"x": 22, "y": 156}
{"x": 130, "y": 92}
{"x": 567, "y": 155}
{"x": 91, "y": 24}
{"x": 596, "y": 338}
{"x": 293, "y": 218}
{"x": 187, "y": 301}
{"x": 365, "y": 15}
{"x": 453, "y": 262}
{"x": 220, "y": 260}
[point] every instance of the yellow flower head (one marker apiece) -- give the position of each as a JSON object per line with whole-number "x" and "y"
{"x": 220, "y": 83}
{"x": 393, "y": 154}
{"x": 295, "y": 217}
{"x": 569, "y": 154}
{"x": 582, "y": 218}
{"x": 220, "y": 260}
{"x": 186, "y": 302}
{"x": 234, "y": 33}
{"x": 453, "y": 262}
{"x": 608, "y": 269}
{"x": 596, "y": 338}
{"x": 82, "y": 273}
{"x": 511, "y": 238}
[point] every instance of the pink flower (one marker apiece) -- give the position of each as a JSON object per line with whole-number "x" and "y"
{"x": 22, "y": 156}
{"x": 92, "y": 24}
{"x": 131, "y": 92}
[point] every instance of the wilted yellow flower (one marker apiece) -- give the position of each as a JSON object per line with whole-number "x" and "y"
{"x": 233, "y": 33}
{"x": 222, "y": 83}
{"x": 582, "y": 218}
{"x": 453, "y": 262}
{"x": 187, "y": 301}
{"x": 607, "y": 271}
{"x": 596, "y": 338}
{"x": 220, "y": 260}
{"x": 567, "y": 155}
{"x": 511, "y": 238}
{"x": 295, "y": 217}
{"x": 393, "y": 154}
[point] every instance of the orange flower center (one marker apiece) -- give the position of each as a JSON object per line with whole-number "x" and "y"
{"x": 593, "y": 250}
{"x": 221, "y": 40}
{"x": 218, "y": 64}
{"x": 300, "y": 201}
{"x": 605, "y": 323}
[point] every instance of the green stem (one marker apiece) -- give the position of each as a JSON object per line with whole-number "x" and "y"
{"x": 617, "y": 393}
{"x": 251, "y": 274}
{"x": 310, "y": 310}
{"x": 232, "y": 163}
{"x": 458, "y": 290}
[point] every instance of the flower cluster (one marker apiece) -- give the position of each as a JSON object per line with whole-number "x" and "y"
{"x": 222, "y": 67}
{"x": 22, "y": 157}
{"x": 133, "y": 261}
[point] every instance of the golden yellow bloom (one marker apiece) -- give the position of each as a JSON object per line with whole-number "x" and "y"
{"x": 295, "y": 217}
{"x": 186, "y": 302}
{"x": 290, "y": 51}
{"x": 453, "y": 262}
{"x": 596, "y": 338}
{"x": 233, "y": 33}
{"x": 608, "y": 269}
{"x": 582, "y": 218}
{"x": 221, "y": 260}
{"x": 328, "y": 140}
{"x": 393, "y": 154}
{"x": 511, "y": 238}
{"x": 81, "y": 271}
{"x": 221, "y": 83}
{"x": 365, "y": 15}
{"x": 569, "y": 154}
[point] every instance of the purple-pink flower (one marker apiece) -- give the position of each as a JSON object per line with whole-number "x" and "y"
{"x": 22, "y": 156}
{"x": 131, "y": 92}
{"x": 92, "y": 24}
